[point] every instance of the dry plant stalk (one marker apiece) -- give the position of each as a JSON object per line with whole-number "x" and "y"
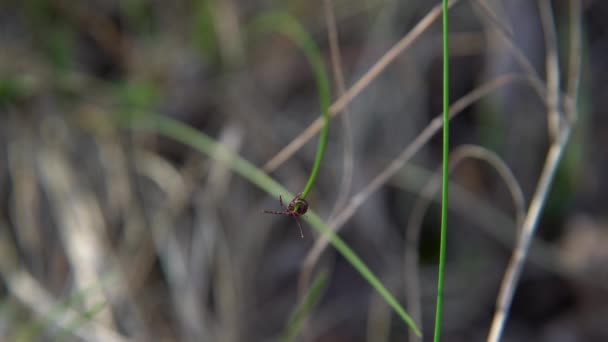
{"x": 560, "y": 129}
{"x": 434, "y": 126}
{"x": 336, "y": 62}
{"x": 338, "y": 106}
{"x": 357, "y": 200}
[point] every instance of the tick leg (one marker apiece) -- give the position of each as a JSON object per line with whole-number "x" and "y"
{"x": 281, "y": 201}
{"x": 274, "y": 212}
{"x": 299, "y": 225}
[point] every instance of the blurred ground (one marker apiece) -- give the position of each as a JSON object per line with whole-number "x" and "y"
{"x": 108, "y": 233}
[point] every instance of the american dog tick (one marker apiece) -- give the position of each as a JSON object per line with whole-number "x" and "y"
{"x": 296, "y": 208}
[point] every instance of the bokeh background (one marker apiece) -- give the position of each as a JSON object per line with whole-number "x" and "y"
{"x": 108, "y": 232}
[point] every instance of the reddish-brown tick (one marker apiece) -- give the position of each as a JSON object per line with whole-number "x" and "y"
{"x": 296, "y": 208}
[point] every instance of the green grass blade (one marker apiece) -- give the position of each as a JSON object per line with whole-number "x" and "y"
{"x": 203, "y": 143}
{"x": 445, "y": 172}
{"x": 288, "y": 26}
{"x": 303, "y": 310}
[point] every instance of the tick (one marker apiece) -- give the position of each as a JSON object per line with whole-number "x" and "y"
{"x": 296, "y": 208}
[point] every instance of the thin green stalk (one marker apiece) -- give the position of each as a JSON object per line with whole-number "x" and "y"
{"x": 205, "y": 144}
{"x": 445, "y": 170}
{"x": 303, "y": 310}
{"x": 287, "y": 25}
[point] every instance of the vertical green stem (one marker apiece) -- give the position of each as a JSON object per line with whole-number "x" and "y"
{"x": 444, "y": 189}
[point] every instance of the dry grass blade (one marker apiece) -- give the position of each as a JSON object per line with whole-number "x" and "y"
{"x": 191, "y": 317}
{"x": 492, "y": 221}
{"x": 28, "y": 290}
{"x": 521, "y": 250}
{"x": 338, "y": 106}
{"x": 336, "y": 62}
{"x": 81, "y": 225}
{"x": 574, "y": 67}
{"x": 507, "y": 37}
{"x": 432, "y": 129}
{"x": 379, "y": 321}
{"x": 552, "y": 68}
{"x": 26, "y": 196}
{"x": 561, "y": 137}
{"x": 414, "y": 225}
{"x": 490, "y": 15}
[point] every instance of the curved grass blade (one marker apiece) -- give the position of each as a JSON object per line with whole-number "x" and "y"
{"x": 205, "y": 144}
{"x": 284, "y": 23}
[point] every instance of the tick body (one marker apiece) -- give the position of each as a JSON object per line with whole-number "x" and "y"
{"x": 296, "y": 208}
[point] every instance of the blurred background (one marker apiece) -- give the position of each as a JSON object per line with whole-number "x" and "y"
{"x": 111, "y": 233}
